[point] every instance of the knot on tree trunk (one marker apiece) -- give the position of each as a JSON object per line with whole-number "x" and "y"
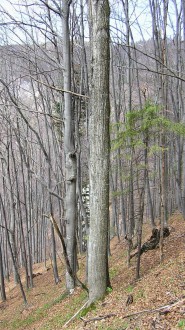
{"x": 71, "y": 169}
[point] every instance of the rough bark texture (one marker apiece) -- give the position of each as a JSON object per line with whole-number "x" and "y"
{"x": 99, "y": 150}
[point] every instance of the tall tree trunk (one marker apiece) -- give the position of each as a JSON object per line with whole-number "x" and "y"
{"x": 98, "y": 278}
{"x": 69, "y": 148}
{"x": 163, "y": 139}
{"x": 117, "y": 120}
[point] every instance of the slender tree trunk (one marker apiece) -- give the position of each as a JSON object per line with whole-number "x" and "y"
{"x": 163, "y": 140}
{"x": 14, "y": 261}
{"x": 117, "y": 119}
{"x": 150, "y": 202}
{"x": 141, "y": 205}
{"x": 69, "y": 148}
{"x": 2, "y": 284}
{"x": 23, "y": 243}
{"x": 114, "y": 221}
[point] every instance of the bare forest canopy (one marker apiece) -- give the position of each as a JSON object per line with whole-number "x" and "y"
{"x": 70, "y": 101}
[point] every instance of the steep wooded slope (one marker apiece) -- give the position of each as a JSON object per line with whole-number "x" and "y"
{"x": 160, "y": 285}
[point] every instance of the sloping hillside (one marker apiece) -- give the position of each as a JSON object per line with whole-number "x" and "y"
{"x": 160, "y": 285}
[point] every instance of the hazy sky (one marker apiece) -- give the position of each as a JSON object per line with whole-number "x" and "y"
{"x": 139, "y": 12}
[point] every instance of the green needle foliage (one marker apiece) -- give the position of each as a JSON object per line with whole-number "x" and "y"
{"x": 141, "y": 123}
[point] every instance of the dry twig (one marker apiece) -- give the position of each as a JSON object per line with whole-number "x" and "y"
{"x": 166, "y": 308}
{"x": 98, "y": 318}
{"x": 72, "y": 318}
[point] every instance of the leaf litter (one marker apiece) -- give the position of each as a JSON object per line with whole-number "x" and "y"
{"x": 160, "y": 285}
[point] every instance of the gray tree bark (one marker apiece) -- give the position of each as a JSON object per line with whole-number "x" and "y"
{"x": 99, "y": 150}
{"x": 69, "y": 148}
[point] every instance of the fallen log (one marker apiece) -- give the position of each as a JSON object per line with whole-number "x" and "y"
{"x": 153, "y": 242}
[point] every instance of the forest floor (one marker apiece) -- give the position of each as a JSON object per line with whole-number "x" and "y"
{"x": 160, "y": 285}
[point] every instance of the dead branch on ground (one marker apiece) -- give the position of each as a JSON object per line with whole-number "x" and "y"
{"x": 155, "y": 310}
